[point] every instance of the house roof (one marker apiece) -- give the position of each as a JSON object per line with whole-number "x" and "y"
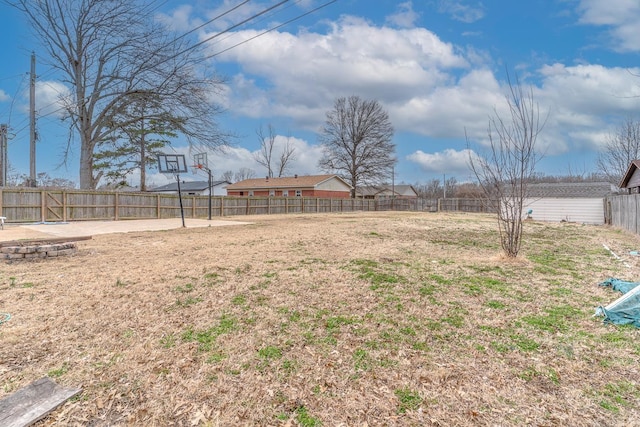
{"x": 187, "y": 186}
{"x": 400, "y": 189}
{"x": 304, "y": 181}
{"x": 635, "y": 164}
{"x": 571, "y": 189}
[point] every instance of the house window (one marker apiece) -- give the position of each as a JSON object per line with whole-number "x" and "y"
{"x": 250, "y": 193}
{"x": 242, "y": 193}
{"x": 298, "y": 193}
{"x": 272, "y": 193}
{"x": 285, "y": 193}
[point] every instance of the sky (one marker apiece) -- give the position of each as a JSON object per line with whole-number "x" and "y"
{"x": 438, "y": 68}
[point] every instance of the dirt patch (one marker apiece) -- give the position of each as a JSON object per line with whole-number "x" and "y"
{"x": 342, "y": 319}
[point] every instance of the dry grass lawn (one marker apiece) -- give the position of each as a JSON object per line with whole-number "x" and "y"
{"x": 363, "y": 319}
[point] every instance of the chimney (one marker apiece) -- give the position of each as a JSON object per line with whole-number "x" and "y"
{"x": 296, "y": 176}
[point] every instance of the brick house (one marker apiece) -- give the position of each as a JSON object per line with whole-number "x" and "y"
{"x": 321, "y": 186}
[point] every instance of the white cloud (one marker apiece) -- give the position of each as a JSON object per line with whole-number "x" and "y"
{"x": 462, "y": 12}
{"x": 429, "y": 87}
{"x": 583, "y": 101}
{"x": 179, "y": 19}
{"x": 51, "y": 98}
{"x": 405, "y": 17}
{"x": 448, "y": 110}
{"x": 3, "y": 96}
{"x": 306, "y": 72}
{"x": 621, "y": 16}
{"x": 448, "y": 161}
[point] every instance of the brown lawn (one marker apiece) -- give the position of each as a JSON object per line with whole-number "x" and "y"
{"x": 363, "y": 319}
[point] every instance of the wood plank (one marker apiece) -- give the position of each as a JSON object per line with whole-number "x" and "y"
{"x": 45, "y": 241}
{"x": 33, "y": 402}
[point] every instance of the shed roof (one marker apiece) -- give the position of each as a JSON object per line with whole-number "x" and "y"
{"x": 304, "y": 181}
{"x": 635, "y": 164}
{"x": 186, "y": 186}
{"x": 571, "y": 189}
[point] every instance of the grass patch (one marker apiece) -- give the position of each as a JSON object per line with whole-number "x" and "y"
{"x": 56, "y": 373}
{"x": 187, "y": 301}
{"x": 206, "y": 338}
{"x": 495, "y": 304}
{"x": 556, "y": 319}
{"x": 372, "y": 272}
{"x": 617, "y": 395}
{"x": 409, "y": 400}
{"x": 304, "y": 419}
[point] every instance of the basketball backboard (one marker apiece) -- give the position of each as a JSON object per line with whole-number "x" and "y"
{"x": 172, "y": 163}
{"x": 200, "y": 160}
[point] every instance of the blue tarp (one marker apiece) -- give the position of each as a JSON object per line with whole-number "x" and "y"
{"x": 626, "y": 309}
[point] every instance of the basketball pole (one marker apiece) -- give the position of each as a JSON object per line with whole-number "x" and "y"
{"x": 180, "y": 197}
{"x": 206, "y": 168}
{"x": 210, "y": 191}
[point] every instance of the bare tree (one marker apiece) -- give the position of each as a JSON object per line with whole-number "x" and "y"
{"x": 356, "y": 140}
{"x": 504, "y": 172}
{"x": 621, "y": 148}
{"x": 227, "y": 176}
{"x": 244, "y": 173}
{"x": 431, "y": 190}
{"x": 109, "y": 52}
{"x": 268, "y": 155}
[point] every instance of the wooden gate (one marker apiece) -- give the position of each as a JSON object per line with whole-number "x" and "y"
{"x": 54, "y": 206}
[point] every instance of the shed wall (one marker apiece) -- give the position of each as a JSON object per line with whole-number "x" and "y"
{"x": 634, "y": 181}
{"x": 581, "y": 210}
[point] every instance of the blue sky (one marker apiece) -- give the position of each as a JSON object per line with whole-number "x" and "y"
{"x": 436, "y": 66}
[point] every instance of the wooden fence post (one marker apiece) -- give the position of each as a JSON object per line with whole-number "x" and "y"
{"x": 43, "y": 206}
{"x": 116, "y": 208}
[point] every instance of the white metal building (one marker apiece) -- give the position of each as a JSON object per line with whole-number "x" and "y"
{"x": 581, "y": 202}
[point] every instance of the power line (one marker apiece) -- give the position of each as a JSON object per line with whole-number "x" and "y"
{"x": 271, "y": 29}
{"x": 11, "y": 77}
{"x": 200, "y": 43}
{"x": 13, "y": 100}
{"x": 211, "y": 20}
{"x": 227, "y": 30}
{"x": 259, "y": 20}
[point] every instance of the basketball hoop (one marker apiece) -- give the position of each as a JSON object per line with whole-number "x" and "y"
{"x": 171, "y": 165}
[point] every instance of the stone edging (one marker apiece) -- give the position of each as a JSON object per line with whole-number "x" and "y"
{"x": 37, "y": 251}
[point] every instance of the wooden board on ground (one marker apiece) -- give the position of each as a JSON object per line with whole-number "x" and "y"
{"x": 33, "y": 402}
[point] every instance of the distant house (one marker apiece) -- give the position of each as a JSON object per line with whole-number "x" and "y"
{"x": 194, "y": 188}
{"x": 631, "y": 180}
{"x": 324, "y": 186}
{"x": 401, "y": 191}
{"x": 581, "y": 202}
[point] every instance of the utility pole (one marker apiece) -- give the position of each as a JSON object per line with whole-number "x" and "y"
{"x": 393, "y": 185}
{"x": 32, "y": 122}
{"x": 3, "y": 156}
{"x": 444, "y": 185}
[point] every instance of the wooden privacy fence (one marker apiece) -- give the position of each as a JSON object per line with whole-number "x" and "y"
{"x": 622, "y": 211}
{"x": 34, "y": 205}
